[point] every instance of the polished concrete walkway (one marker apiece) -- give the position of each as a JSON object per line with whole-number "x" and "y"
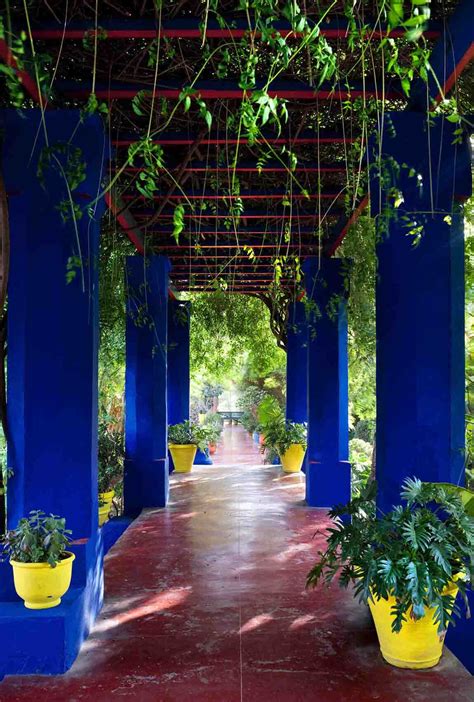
{"x": 206, "y": 601}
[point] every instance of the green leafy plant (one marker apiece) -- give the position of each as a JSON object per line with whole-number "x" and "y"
{"x": 269, "y": 413}
{"x": 188, "y": 433}
{"x": 213, "y": 423}
{"x": 111, "y": 455}
{"x": 280, "y": 435}
{"x": 360, "y": 457}
{"x": 412, "y": 553}
{"x": 39, "y": 538}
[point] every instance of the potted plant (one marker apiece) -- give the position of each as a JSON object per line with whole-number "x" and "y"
{"x": 213, "y": 424}
{"x": 408, "y": 565}
{"x": 42, "y": 565}
{"x": 110, "y": 468}
{"x": 269, "y": 414}
{"x": 183, "y": 442}
{"x": 287, "y": 440}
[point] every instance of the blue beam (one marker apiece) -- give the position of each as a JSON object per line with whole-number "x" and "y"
{"x": 451, "y": 55}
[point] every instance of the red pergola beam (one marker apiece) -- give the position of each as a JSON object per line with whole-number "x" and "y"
{"x": 24, "y": 77}
{"x": 180, "y": 140}
{"x": 308, "y": 95}
{"x": 191, "y": 28}
{"x": 126, "y": 221}
{"x": 260, "y": 215}
{"x": 323, "y": 168}
{"x": 352, "y": 220}
{"x": 242, "y": 196}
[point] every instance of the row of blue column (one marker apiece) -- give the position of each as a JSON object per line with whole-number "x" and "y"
{"x": 53, "y": 352}
{"x": 419, "y": 323}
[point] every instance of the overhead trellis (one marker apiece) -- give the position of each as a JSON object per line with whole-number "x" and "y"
{"x": 239, "y": 129}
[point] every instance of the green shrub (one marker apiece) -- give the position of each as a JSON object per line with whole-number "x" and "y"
{"x": 39, "y": 538}
{"x": 280, "y": 435}
{"x": 411, "y": 553}
{"x": 188, "y": 433}
{"x": 360, "y": 457}
{"x": 111, "y": 455}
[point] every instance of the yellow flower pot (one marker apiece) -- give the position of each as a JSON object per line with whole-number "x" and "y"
{"x": 183, "y": 456}
{"x": 417, "y": 644}
{"x": 40, "y": 585}
{"x": 292, "y": 459}
{"x": 104, "y": 511}
{"x": 107, "y": 497}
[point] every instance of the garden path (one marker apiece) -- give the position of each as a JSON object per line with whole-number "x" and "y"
{"x": 205, "y": 601}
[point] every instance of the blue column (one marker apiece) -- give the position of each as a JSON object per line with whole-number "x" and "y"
{"x": 146, "y": 415}
{"x": 297, "y": 364}
{"x": 328, "y": 472}
{"x": 52, "y": 324}
{"x": 420, "y": 306}
{"x": 52, "y": 368}
{"x": 178, "y": 361}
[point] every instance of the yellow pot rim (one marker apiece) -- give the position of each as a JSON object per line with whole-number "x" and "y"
{"x": 64, "y": 561}
{"x": 182, "y": 446}
{"x": 108, "y": 493}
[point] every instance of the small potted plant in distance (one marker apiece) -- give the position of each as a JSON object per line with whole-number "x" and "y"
{"x": 213, "y": 424}
{"x": 42, "y": 565}
{"x": 183, "y": 442}
{"x": 288, "y": 440}
{"x": 408, "y": 565}
{"x": 111, "y": 454}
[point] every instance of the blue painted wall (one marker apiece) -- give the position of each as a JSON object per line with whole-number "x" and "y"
{"x": 146, "y": 416}
{"x": 297, "y": 364}
{"x": 52, "y": 376}
{"x": 328, "y": 473}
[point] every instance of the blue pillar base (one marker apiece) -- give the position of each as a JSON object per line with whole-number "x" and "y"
{"x": 203, "y": 458}
{"x": 460, "y": 638}
{"x": 48, "y": 641}
{"x": 328, "y": 484}
{"x": 113, "y": 530}
{"x": 146, "y": 484}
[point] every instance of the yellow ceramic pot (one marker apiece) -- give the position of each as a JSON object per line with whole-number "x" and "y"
{"x": 40, "y": 585}
{"x": 292, "y": 459}
{"x": 107, "y": 497}
{"x": 183, "y": 456}
{"x": 417, "y": 644}
{"x": 104, "y": 511}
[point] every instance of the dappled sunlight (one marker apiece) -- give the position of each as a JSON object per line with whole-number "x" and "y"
{"x": 292, "y": 551}
{"x": 304, "y": 620}
{"x": 256, "y": 622}
{"x": 153, "y": 605}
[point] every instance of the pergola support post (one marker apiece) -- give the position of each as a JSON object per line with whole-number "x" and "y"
{"x": 420, "y": 306}
{"x": 297, "y": 364}
{"x": 146, "y": 415}
{"x": 328, "y": 471}
{"x": 420, "y": 317}
{"x": 178, "y": 363}
{"x": 52, "y": 371}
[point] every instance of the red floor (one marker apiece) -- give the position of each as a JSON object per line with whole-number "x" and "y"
{"x": 206, "y": 601}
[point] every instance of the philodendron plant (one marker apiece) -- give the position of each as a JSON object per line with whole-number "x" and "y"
{"x": 38, "y": 538}
{"x": 412, "y": 553}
